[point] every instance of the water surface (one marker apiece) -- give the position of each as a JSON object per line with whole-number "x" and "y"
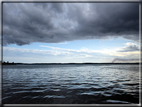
{"x": 71, "y": 84}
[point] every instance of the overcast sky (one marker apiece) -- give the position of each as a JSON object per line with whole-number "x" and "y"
{"x": 70, "y": 32}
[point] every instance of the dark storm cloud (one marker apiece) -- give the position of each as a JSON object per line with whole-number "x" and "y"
{"x": 110, "y": 20}
{"x": 24, "y": 23}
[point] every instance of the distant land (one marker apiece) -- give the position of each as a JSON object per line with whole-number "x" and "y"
{"x": 7, "y": 63}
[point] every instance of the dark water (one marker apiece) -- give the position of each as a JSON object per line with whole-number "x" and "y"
{"x": 71, "y": 84}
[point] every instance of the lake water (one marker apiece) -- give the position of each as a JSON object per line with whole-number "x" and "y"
{"x": 71, "y": 84}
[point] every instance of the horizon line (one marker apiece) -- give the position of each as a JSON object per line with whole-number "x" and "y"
{"x": 75, "y": 63}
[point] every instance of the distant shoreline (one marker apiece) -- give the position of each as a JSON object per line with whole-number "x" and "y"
{"x": 63, "y": 63}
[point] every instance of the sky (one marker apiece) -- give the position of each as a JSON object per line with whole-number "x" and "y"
{"x": 71, "y": 32}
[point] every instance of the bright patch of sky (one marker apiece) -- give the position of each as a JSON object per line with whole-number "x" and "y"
{"x": 72, "y": 51}
{"x": 94, "y": 44}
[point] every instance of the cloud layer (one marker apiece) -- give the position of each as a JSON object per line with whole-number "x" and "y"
{"x": 130, "y": 47}
{"x": 24, "y": 23}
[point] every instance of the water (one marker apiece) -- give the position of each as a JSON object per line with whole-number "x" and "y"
{"x": 71, "y": 84}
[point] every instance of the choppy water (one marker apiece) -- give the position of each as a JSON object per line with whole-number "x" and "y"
{"x": 70, "y": 84}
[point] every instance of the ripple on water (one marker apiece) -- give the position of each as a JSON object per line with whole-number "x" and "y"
{"x": 6, "y": 97}
{"x": 92, "y": 93}
{"x": 53, "y": 96}
{"x": 35, "y": 97}
{"x": 122, "y": 80}
{"x": 17, "y": 92}
{"x": 117, "y": 102}
{"x": 56, "y": 89}
{"x": 108, "y": 93}
{"x": 38, "y": 91}
{"x": 131, "y": 84}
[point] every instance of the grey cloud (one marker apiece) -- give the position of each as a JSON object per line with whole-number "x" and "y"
{"x": 110, "y": 20}
{"x": 57, "y": 7}
{"x": 130, "y": 48}
{"x": 24, "y": 23}
{"x": 124, "y": 60}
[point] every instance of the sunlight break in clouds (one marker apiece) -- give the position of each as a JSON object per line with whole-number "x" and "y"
{"x": 70, "y": 53}
{"x": 128, "y": 50}
{"x": 82, "y": 50}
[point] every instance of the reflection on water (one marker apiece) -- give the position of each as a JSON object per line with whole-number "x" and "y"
{"x": 70, "y": 84}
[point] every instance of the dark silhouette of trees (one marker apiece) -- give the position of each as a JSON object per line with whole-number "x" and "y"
{"x": 7, "y": 63}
